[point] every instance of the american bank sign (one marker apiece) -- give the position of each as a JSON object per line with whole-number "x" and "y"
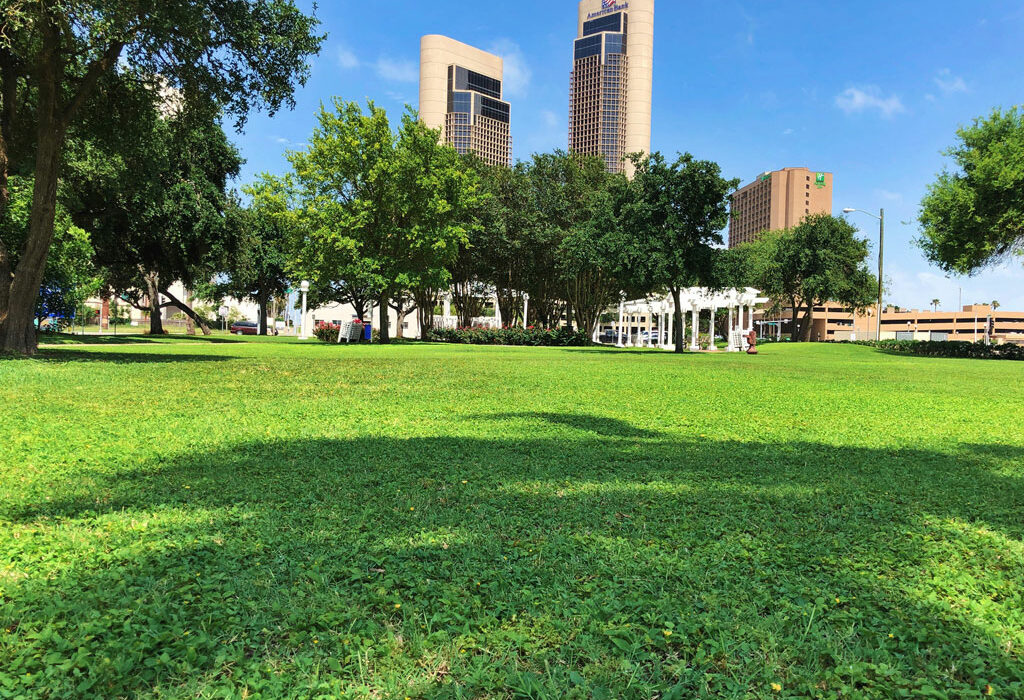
{"x": 608, "y": 7}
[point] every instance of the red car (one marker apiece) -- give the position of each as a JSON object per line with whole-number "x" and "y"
{"x": 245, "y": 328}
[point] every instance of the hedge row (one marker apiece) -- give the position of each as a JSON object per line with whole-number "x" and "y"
{"x": 533, "y": 337}
{"x": 954, "y": 349}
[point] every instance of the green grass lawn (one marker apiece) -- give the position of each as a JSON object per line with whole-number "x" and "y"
{"x": 285, "y": 519}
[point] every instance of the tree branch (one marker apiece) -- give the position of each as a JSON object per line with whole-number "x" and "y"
{"x": 187, "y": 310}
{"x": 92, "y": 76}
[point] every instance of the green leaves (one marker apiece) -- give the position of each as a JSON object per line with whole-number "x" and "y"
{"x": 973, "y": 216}
{"x": 380, "y": 210}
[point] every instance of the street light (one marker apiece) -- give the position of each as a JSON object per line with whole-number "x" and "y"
{"x": 881, "y": 259}
{"x": 305, "y": 289}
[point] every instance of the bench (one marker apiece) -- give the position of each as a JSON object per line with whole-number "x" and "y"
{"x": 350, "y": 332}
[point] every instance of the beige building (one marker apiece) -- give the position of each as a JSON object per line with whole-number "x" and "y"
{"x": 461, "y": 95}
{"x": 778, "y": 200}
{"x": 833, "y": 323}
{"x": 611, "y": 86}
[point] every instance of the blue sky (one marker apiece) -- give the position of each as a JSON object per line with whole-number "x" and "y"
{"x": 871, "y": 91}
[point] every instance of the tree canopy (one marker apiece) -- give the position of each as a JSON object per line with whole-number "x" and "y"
{"x": 973, "y": 216}
{"x": 58, "y": 57}
{"x": 382, "y": 211}
{"x": 256, "y": 267}
{"x": 819, "y": 261}
{"x": 677, "y": 214}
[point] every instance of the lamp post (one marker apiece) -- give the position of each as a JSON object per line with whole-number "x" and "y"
{"x": 304, "y": 287}
{"x": 881, "y": 259}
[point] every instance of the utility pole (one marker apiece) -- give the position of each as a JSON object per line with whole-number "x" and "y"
{"x": 881, "y": 270}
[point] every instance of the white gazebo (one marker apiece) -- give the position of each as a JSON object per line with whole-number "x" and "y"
{"x": 693, "y": 302}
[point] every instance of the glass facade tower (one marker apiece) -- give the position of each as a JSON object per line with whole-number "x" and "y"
{"x": 461, "y": 95}
{"x": 611, "y": 82}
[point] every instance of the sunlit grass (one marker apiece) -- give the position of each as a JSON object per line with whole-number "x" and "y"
{"x": 285, "y": 519}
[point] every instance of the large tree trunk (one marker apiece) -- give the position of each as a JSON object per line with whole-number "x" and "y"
{"x": 806, "y": 325}
{"x": 384, "y": 308}
{"x": 18, "y": 334}
{"x": 426, "y": 300}
{"x": 8, "y": 108}
{"x": 262, "y": 303}
{"x": 794, "y": 329}
{"x": 678, "y": 334}
{"x": 187, "y": 310}
{"x": 156, "y": 322}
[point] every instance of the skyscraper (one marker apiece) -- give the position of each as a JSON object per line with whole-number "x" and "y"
{"x": 461, "y": 94}
{"x": 778, "y": 200}
{"x": 612, "y": 81}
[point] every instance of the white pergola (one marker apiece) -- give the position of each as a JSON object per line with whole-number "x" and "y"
{"x": 693, "y": 302}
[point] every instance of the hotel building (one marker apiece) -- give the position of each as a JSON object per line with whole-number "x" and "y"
{"x": 461, "y": 95}
{"x": 612, "y": 81}
{"x": 778, "y": 200}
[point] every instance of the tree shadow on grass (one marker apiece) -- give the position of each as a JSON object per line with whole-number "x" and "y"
{"x": 456, "y": 567}
{"x": 124, "y": 358}
{"x": 101, "y": 340}
{"x": 599, "y": 425}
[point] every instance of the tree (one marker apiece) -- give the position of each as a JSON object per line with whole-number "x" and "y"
{"x": 502, "y": 246}
{"x": 161, "y": 219}
{"x": 69, "y": 277}
{"x": 935, "y": 304}
{"x": 563, "y": 187}
{"x": 677, "y": 215}
{"x": 974, "y": 216}
{"x": 818, "y": 262}
{"x": 995, "y": 305}
{"x": 392, "y": 206}
{"x": 55, "y": 55}
{"x": 257, "y": 267}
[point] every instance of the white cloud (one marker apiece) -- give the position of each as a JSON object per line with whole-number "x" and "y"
{"x": 788, "y": 132}
{"x": 916, "y": 289}
{"x": 397, "y": 97}
{"x": 288, "y": 143}
{"x": 517, "y": 72}
{"x": 397, "y": 70}
{"x": 950, "y": 84}
{"x": 347, "y": 58}
{"x": 550, "y": 119}
{"x": 856, "y": 100}
{"x": 889, "y": 196}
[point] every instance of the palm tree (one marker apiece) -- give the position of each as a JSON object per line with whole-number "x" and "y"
{"x": 935, "y": 304}
{"x": 995, "y": 306}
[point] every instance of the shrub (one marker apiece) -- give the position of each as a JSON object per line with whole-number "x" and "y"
{"x": 951, "y": 349}
{"x": 327, "y": 334}
{"x": 530, "y": 337}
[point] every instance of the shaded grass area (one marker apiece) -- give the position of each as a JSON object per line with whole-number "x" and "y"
{"x": 62, "y": 339}
{"x": 295, "y": 521}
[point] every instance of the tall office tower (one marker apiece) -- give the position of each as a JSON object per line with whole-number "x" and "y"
{"x": 612, "y": 81}
{"x": 460, "y": 94}
{"x": 778, "y": 200}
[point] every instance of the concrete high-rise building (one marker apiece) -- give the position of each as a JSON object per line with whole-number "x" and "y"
{"x": 461, "y": 94}
{"x": 778, "y": 200}
{"x": 612, "y": 81}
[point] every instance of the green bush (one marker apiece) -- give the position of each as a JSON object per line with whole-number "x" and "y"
{"x": 951, "y": 349}
{"x": 327, "y": 334}
{"x": 530, "y": 337}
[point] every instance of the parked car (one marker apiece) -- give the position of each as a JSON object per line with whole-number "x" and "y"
{"x": 245, "y": 328}
{"x": 650, "y": 337}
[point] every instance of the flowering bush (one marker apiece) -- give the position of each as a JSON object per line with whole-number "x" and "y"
{"x": 328, "y": 333}
{"x": 953, "y": 349}
{"x": 533, "y": 337}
